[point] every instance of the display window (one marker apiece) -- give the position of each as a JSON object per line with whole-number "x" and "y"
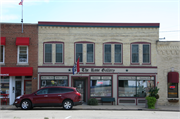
{"x": 4, "y": 84}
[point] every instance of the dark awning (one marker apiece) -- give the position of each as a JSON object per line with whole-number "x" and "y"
{"x": 16, "y": 71}
{"x": 173, "y": 77}
{"x": 22, "y": 41}
{"x": 3, "y": 40}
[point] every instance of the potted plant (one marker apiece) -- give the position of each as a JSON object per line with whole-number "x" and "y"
{"x": 153, "y": 96}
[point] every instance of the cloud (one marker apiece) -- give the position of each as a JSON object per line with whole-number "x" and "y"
{"x": 9, "y": 17}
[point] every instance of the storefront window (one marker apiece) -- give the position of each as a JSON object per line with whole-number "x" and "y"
{"x": 134, "y": 86}
{"x": 172, "y": 90}
{"x": 54, "y": 81}
{"x": 4, "y": 84}
{"x": 101, "y": 86}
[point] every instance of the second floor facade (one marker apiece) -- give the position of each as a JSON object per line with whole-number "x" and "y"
{"x": 97, "y": 44}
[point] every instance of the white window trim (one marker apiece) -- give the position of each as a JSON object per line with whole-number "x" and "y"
{"x": 3, "y": 55}
{"x": 62, "y": 53}
{"x": 18, "y": 55}
{"x": 93, "y": 52}
{"x": 82, "y": 52}
{"x": 45, "y": 52}
{"x": 149, "y": 53}
{"x": 115, "y": 53}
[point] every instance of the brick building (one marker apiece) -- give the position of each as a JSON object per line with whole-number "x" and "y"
{"x": 19, "y": 58}
{"x": 116, "y": 59}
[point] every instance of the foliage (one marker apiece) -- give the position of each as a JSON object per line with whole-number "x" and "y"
{"x": 153, "y": 92}
{"x": 92, "y": 101}
{"x": 151, "y": 102}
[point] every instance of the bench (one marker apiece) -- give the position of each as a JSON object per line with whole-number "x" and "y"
{"x": 107, "y": 100}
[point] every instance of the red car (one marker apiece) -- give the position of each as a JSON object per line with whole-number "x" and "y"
{"x": 54, "y": 96}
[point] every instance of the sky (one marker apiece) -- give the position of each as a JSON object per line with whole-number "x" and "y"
{"x": 165, "y": 12}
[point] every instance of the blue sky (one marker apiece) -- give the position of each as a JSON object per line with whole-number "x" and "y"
{"x": 165, "y": 12}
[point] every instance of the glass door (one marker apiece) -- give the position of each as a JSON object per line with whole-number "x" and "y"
{"x": 17, "y": 88}
{"x": 79, "y": 84}
{"x": 27, "y": 86}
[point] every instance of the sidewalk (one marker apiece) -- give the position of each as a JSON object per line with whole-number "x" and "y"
{"x": 104, "y": 107}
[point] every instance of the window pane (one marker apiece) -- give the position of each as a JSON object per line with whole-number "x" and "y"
{"x": 107, "y": 53}
{"x": 117, "y": 53}
{"x": 2, "y": 53}
{"x": 146, "y": 54}
{"x": 48, "y": 52}
{"x": 135, "y": 53}
{"x": 100, "y": 87}
{"x": 79, "y": 52}
{"x": 22, "y": 54}
{"x": 59, "y": 52}
{"x": 90, "y": 53}
{"x": 172, "y": 90}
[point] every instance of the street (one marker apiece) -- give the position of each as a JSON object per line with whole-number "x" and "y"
{"x": 87, "y": 114}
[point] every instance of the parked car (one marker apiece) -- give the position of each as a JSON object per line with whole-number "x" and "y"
{"x": 54, "y": 96}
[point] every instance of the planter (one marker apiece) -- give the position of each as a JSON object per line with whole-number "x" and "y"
{"x": 146, "y": 105}
{"x": 173, "y": 101}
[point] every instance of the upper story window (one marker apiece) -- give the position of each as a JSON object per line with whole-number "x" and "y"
{"x": 113, "y": 53}
{"x": 141, "y": 53}
{"x": 2, "y": 54}
{"x": 22, "y": 54}
{"x": 59, "y": 53}
{"x": 84, "y": 50}
{"x": 48, "y": 53}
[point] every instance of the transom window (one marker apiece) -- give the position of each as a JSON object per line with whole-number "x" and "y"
{"x": 22, "y": 54}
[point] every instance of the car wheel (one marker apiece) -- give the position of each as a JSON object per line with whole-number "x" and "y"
{"x": 26, "y": 104}
{"x": 67, "y": 104}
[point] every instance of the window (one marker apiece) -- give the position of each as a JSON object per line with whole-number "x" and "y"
{"x": 54, "y": 90}
{"x": 79, "y": 52}
{"x": 4, "y": 84}
{"x": 59, "y": 53}
{"x": 48, "y": 52}
{"x": 43, "y": 91}
{"x": 66, "y": 90}
{"x": 107, "y": 53}
{"x": 146, "y": 53}
{"x": 117, "y": 53}
{"x": 22, "y": 54}
{"x": 90, "y": 53}
{"x": 100, "y": 86}
{"x": 2, "y": 54}
{"x": 172, "y": 90}
{"x": 134, "y": 86}
{"x": 135, "y": 53}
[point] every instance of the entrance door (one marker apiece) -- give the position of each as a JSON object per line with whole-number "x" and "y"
{"x": 17, "y": 88}
{"x": 27, "y": 86}
{"x": 80, "y": 87}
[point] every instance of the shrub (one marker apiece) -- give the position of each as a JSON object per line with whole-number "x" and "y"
{"x": 92, "y": 101}
{"x": 151, "y": 102}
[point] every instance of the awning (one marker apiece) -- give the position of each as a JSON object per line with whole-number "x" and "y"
{"x": 3, "y": 40}
{"x": 22, "y": 41}
{"x": 173, "y": 77}
{"x": 16, "y": 71}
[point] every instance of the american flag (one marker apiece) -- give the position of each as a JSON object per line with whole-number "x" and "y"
{"x": 21, "y": 3}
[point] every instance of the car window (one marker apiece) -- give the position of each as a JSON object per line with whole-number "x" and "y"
{"x": 54, "y": 90}
{"x": 43, "y": 91}
{"x": 66, "y": 90}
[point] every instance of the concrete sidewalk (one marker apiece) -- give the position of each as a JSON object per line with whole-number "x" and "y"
{"x": 102, "y": 107}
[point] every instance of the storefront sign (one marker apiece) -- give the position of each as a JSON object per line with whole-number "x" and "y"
{"x": 47, "y": 77}
{"x": 61, "y": 77}
{"x": 106, "y": 77}
{"x": 126, "y": 78}
{"x": 98, "y": 70}
{"x": 4, "y": 74}
{"x": 171, "y": 87}
{"x": 95, "y": 77}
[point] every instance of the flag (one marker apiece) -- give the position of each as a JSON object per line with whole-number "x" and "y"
{"x": 76, "y": 68}
{"x": 21, "y": 3}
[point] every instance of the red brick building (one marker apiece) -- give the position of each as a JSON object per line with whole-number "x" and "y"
{"x": 18, "y": 59}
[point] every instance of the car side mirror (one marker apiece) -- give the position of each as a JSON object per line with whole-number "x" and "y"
{"x": 35, "y": 93}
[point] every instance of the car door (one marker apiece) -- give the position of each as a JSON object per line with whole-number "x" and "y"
{"x": 40, "y": 98}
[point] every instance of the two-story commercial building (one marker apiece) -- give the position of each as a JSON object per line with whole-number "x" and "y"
{"x": 116, "y": 59}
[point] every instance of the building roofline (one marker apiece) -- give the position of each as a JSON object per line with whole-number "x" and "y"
{"x": 95, "y": 24}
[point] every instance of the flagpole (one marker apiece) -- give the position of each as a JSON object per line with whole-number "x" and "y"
{"x": 22, "y": 17}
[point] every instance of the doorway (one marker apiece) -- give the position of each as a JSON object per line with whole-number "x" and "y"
{"x": 18, "y": 87}
{"x": 80, "y": 83}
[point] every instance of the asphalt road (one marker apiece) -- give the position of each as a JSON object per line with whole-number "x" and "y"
{"x": 86, "y": 114}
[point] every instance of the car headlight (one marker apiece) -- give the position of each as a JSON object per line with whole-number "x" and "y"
{"x": 18, "y": 97}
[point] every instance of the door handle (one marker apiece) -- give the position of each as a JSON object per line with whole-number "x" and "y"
{"x": 59, "y": 95}
{"x": 45, "y": 95}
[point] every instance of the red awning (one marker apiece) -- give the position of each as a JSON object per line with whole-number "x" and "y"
{"x": 22, "y": 41}
{"x": 173, "y": 77}
{"x": 3, "y": 40}
{"x": 16, "y": 71}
